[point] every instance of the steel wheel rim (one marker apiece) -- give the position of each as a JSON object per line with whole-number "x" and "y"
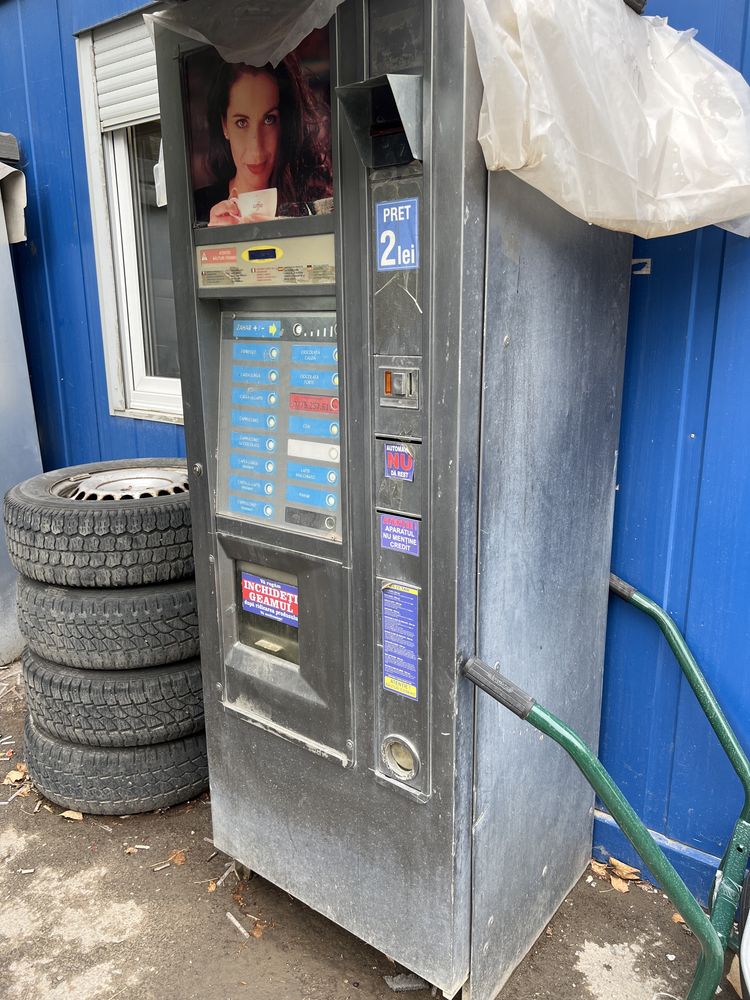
{"x": 123, "y": 484}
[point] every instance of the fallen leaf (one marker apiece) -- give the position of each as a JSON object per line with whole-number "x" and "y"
{"x": 619, "y": 884}
{"x": 677, "y": 919}
{"x": 22, "y": 767}
{"x": 212, "y": 886}
{"x": 257, "y": 931}
{"x": 13, "y": 777}
{"x": 72, "y": 814}
{"x": 624, "y": 871}
{"x": 599, "y": 869}
{"x": 24, "y": 792}
{"x": 177, "y": 858}
{"x": 131, "y": 850}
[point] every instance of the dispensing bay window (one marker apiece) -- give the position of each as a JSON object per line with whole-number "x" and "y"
{"x": 122, "y": 135}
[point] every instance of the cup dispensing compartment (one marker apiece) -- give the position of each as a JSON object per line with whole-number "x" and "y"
{"x": 279, "y": 650}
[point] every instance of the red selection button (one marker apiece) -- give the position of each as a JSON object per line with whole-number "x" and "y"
{"x": 313, "y": 404}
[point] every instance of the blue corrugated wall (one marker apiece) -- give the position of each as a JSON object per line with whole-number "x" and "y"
{"x": 682, "y": 529}
{"x": 682, "y": 519}
{"x": 40, "y": 104}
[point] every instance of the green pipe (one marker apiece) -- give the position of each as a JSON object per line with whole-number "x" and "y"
{"x": 733, "y": 864}
{"x": 711, "y": 965}
{"x": 697, "y": 682}
{"x": 730, "y": 875}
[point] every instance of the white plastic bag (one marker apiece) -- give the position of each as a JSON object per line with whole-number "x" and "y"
{"x": 620, "y": 119}
{"x": 250, "y": 31}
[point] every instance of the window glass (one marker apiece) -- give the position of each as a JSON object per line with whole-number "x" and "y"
{"x": 154, "y": 261}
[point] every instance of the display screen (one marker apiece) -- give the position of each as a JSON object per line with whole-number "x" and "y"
{"x": 260, "y": 137}
{"x": 262, "y": 254}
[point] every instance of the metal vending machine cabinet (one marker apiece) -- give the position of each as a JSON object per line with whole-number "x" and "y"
{"x": 401, "y": 382}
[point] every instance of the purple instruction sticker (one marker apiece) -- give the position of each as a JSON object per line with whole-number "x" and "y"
{"x": 399, "y": 534}
{"x": 399, "y": 461}
{"x": 400, "y": 614}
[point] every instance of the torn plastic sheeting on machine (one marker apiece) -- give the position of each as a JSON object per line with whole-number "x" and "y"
{"x": 269, "y": 29}
{"x": 622, "y": 120}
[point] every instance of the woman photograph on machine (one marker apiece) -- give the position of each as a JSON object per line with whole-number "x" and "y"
{"x": 265, "y": 145}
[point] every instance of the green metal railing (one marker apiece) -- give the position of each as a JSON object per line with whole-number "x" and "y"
{"x": 713, "y": 930}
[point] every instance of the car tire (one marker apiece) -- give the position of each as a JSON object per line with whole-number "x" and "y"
{"x": 107, "y": 524}
{"x": 95, "y": 629}
{"x": 114, "y": 708}
{"x": 109, "y": 781}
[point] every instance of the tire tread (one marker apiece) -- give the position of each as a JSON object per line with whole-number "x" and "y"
{"x": 75, "y": 543}
{"x": 114, "y": 708}
{"x": 94, "y": 629}
{"x": 116, "y": 782}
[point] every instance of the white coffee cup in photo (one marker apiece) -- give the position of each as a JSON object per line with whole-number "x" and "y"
{"x": 258, "y": 203}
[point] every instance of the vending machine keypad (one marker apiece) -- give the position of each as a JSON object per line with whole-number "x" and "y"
{"x": 279, "y": 426}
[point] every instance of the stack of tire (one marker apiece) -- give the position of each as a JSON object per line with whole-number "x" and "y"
{"x": 106, "y": 603}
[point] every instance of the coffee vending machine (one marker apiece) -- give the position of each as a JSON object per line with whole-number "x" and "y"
{"x": 401, "y": 380}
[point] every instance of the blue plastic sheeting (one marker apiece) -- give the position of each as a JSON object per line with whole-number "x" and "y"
{"x": 682, "y": 520}
{"x": 40, "y": 103}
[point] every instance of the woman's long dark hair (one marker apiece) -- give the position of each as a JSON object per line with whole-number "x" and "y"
{"x": 302, "y": 173}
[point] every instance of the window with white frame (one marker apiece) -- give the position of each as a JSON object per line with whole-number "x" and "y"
{"x": 122, "y": 135}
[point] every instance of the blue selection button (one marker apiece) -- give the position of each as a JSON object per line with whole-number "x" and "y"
{"x": 315, "y": 354}
{"x": 323, "y": 379}
{"x": 253, "y": 442}
{"x": 301, "y": 472}
{"x": 252, "y": 463}
{"x": 255, "y": 375}
{"x": 254, "y": 397}
{"x": 312, "y": 497}
{"x": 251, "y": 508}
{"x": 256, "y": 328}
{"x": 241, "y": 484}
{"x": 246, "y": 418}
{"x": 256, "y": 352}
{"x": 314, "y": 427}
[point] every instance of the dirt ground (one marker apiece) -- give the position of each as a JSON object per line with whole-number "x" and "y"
{"x": 83, "y": 916}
